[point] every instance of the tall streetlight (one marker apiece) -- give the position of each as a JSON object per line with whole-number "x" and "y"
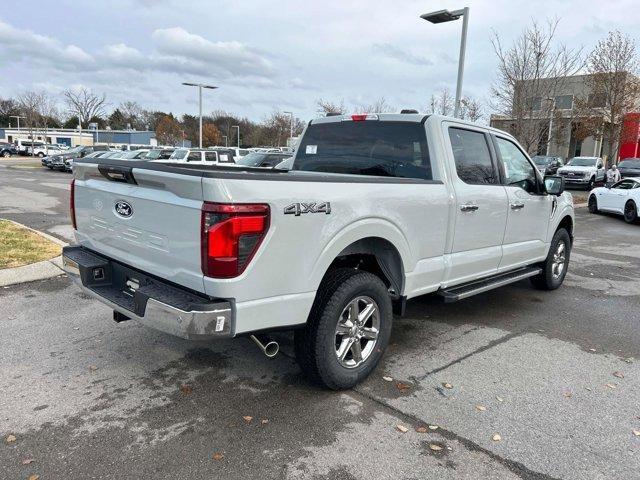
{"x": 442, "y": 16}
{"x": 238, "y": 127}
{"x": 290, "y": 125}
{"x": 18, "y": 117}
{"x": 200, "y": 87}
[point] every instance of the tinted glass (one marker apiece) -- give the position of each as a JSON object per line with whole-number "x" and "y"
{"x": 517, "y": 169}
{"x": 194, "y": 157}
{"x": 634, "y": 163}
{"x": 625, "y": 185}
{"x": 472, "y": 157}
{"x": 252, "y": 160}
{"x": 538, "y": 160}
{"x": 209, "y": 156}
{"x": 387, "y": 149}
{"x": 179, "y": 154}
{"x": 582, "y": 162}
{"x": 564, "y": 102}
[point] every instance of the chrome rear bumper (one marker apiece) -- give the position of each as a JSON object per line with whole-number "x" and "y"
{"x": 150, "y": 301}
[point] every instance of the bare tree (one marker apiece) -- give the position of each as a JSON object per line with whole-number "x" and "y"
{"x": 29, "y": 104}
{"x": 134, "y": 114}
{"x": 441, "y": 103}
{"x": 379, "y": 106}
{"x": 471, "y": 109}
{"x": 85, "y": 104}
{"x": 613, "y": 87}
{"x": 530, "y": 74}
{"x": 325, "y": 106}
{"x": 48, "y": 111}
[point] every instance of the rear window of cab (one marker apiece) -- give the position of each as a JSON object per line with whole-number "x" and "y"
{"x": 370, "y": 147}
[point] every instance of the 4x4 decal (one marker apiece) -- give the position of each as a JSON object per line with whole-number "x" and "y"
{"x": 298, "y": 209}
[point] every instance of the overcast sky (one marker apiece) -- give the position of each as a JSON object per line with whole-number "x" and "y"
{"x": 269, "y": 55}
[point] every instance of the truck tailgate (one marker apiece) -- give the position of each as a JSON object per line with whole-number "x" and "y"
{"x": 151, "y": 223}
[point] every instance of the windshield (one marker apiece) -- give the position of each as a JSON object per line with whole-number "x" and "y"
{"x": 538, "y": 160}
{"x": 131, "y": 155}
{"x": 582, "y": 162}
{"x": 154, "y": 154}
{"x": 630, "y": 163}
{"x": 179, "y": 154}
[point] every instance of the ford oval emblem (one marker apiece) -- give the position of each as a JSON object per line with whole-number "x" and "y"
{"x": 123, "y": 209}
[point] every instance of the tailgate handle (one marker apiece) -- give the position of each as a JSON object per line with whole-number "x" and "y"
{"x": 117, "y": 174}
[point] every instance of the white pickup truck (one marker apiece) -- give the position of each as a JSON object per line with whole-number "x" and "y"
{"x": 375, "y": 210}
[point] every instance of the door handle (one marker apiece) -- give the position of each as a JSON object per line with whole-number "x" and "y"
{"x": 517, "y": 206}
{"x": 468, "y": 207}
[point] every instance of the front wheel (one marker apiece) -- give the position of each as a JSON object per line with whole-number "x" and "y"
{"x": 41, "y": 155}
{"x": 630, "y": 212}
{"x": 591, "y": 184}
{"x": 347, "y": 331}
{"x": 555, "y": 267}
{"x": 593, "y": 204}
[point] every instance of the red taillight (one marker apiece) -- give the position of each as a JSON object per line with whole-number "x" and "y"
{"x": 231, "y": 235}
{"x": 359, "y": 118}
{"x": 72, "y": 204}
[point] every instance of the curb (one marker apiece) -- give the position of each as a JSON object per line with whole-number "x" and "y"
{"x": 34, "y": 271}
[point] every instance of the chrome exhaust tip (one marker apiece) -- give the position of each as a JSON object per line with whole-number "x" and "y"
{"x": 269, "y": 347}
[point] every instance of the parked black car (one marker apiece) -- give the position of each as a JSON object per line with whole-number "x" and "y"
{"x": 8, "y": 149}
{"x": 548, "y": 165}
{"x": 57, "y": 162}
{"x": 629, "y": 167}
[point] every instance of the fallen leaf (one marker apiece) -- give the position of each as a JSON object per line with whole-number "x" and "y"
{"x": 628, "y": 360}
{"x": 610, "y": 385}
{"x": 447, "y": 385}
{"x": 587, "y": 389}
{"x": 387, "y": 379}
{"x": 76, "y": 328}
{"x": 500, "y": 399}
{"x": 402, "y": 428}
{"x": 10, "y": 438}
{"x": 421, "y": 429}
{"x": 403, "y": 387}
{"x": 433, "y": 427}
{"x": 496, "y": 437}
{"x": 186, "y": 389}
{"x": 592, "y": 349}
{"x": 34, "y": 477}
{"x": 264, "y": 421}
{"x": 93, "y": 368}
{"x": 218, "y": 456}
{"x": 567, "y": 394}
{"x": 27, "y": 461}
{"x": 618, "y": 374}
{"x": 247, "y": 418}
{"x": 481, "y": 408}
{"x": 636, "y": 433}
{"x": 435, "y": 447}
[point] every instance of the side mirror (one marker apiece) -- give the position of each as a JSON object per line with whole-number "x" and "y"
{"x": 554, "y": 184}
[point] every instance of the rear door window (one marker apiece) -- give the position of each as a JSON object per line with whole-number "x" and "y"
{"x": 194, "y": 157}
{"x": 472, "y": 157}
{"x": 210, "y": 156}
{"x": 370, "y": 147}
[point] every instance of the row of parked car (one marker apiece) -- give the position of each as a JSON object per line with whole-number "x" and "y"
{"x": 259, "y": 157}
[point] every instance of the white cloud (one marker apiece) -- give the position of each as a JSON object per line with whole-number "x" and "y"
{"x": 27, "y": 45}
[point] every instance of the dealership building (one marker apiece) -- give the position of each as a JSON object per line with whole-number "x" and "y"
{"x": 75, "y": 137}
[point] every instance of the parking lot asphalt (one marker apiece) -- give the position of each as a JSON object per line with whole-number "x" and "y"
{"x": 554, "y": 374}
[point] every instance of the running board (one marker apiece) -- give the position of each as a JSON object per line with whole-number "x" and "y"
{"x": 466, "y": 290}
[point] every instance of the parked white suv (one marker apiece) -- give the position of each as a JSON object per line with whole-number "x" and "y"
{"x": 583, "y": 171}
{"x": 376, "y": 210}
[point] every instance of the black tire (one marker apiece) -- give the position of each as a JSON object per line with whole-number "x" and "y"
{"x": 6, "y": 154}
{"x": 593, "y": 204}
{"x": 41, "y": 155}
{"x": 548, "y": 278}
{"x": 315, "y": 345}
{"x": 630, "y": 212}
{"x": 591, "y": 184}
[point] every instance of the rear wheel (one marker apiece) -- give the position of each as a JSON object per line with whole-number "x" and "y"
{"x": 41, "y": 155}
{"x": 593, "y": 204}
{"x": 630, "y": 212}
{"x": 554, "y": 268}
{"x": 347, "y": 331}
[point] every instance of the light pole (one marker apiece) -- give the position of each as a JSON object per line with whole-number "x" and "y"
{"x": 290, "y": 125}
{"x": 238, "y": 127}
{"x": 553, "y": 111}
{"x": 18, "y": 117}
{"x": 442, "y": 16}
{"x": 226, "y": 140}
{"x": 200, "y": 87}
